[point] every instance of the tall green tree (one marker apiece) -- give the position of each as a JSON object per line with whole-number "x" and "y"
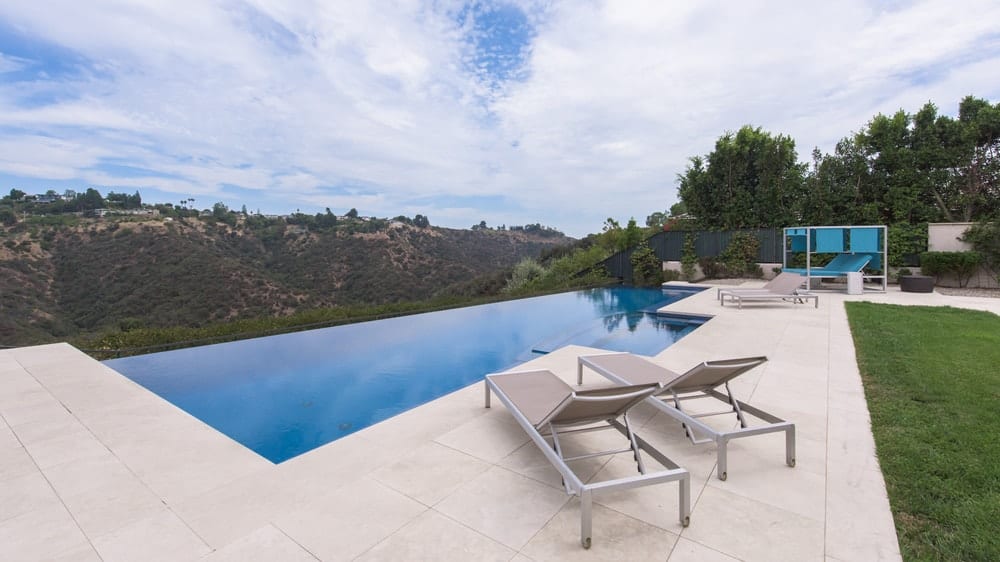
{"x": 751, "y": 179}
{"x": 978, "y": 177}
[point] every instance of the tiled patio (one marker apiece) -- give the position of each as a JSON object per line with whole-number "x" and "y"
{"x": 94, "y": 467}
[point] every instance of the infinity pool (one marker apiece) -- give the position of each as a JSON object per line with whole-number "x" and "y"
{"x": 284, "y": 395}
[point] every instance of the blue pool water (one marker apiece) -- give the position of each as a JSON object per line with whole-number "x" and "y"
{"x": 284, "y": 395}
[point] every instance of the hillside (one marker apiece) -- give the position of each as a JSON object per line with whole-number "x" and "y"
{"x": 66, "y": 279}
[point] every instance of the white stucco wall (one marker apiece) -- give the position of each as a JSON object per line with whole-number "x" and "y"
{"x": 943, "y": 236}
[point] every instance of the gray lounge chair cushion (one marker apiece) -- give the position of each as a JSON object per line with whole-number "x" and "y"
{"x": 544, "y": 398}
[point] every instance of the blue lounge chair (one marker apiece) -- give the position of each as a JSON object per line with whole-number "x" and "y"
{"x": 839, "y": 266}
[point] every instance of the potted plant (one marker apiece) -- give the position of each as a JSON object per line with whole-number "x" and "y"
{"x": 910, "y": 283}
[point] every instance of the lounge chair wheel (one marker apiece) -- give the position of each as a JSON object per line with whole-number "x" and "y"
{"x": 585, "y": 542}
{"x": 723, "y": 476}
{"x": 687, "y": 520}
{"x": 792, "y": 464}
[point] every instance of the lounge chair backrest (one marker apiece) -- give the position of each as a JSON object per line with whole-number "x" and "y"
{"x": 710, "y": 374}
{"x": 785, "y": 283}
{"x": 585, "y": 406}
{"x": 847, "y": 263}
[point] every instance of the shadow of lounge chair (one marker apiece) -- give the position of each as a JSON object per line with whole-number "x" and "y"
{"x": 701, "y": 381}
{"x": 547, "y": 408}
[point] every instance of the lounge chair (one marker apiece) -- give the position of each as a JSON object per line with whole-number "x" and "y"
{"x": 546, "y": 407}
{"x": 839, "y": 266}
{"x": 701, "y": 381}
{"x": 784, "y": 287}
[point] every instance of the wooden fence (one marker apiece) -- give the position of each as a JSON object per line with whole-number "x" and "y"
{"x": 669, "y": 246}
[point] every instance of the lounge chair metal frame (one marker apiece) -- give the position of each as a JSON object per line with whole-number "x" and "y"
{"x": 573, "y": 484}
{"x": 798, "y": 297}
{"x": 693, "y": 427}
{"x": 784, "y": 287}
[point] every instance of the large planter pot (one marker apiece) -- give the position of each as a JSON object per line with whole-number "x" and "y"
{"x": 916, "y": 284}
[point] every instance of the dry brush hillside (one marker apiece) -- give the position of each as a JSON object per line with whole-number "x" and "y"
{"x": 61, "y": 280}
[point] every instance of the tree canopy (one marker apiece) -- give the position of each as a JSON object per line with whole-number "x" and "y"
{"x": 898, "y": 169}
{"x": 749, "y": 180}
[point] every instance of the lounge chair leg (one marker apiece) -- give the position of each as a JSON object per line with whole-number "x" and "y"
{"x": 586, "y": 503}
{"x": 487, "y": 387}
{"x": 684, "y": 496}
{"x": 723, "y": 468}
{"x": 790, "y": 446}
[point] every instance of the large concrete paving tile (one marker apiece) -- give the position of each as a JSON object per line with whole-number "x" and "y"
{"x": 689, "y": 551}
{"x": 343, "y": 523}
{"x": 25, "y": 493}
{"x": 432, "y": 536}
{"x": 224, "y": 514}
{"x": 57, "y": 422}
{"x": 162, "y": 536}
{"x": 266, "y": 544}
{"x": 489, "y": 438}
{"x": 339, "y": 462}
{"x": 615, "y": 537}
{"x": 529, "y": 461}
{"x": 14, "y": 461}
{"x": 504, "y": 506}
{"x": 32, "y": 406}
{"x": 41, "y": 534}
{"x": 859, "y": 524}
{"x": 60, "y": 449}
{"x": 430, "y": 473}
{"x": 769, "y": 480}
{"x": 750, "y": 530}
{"x": 110, "y": 506}
{"x": 76, "y": 477}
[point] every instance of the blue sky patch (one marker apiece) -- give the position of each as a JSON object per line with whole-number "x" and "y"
{"x": 500, "y": 36}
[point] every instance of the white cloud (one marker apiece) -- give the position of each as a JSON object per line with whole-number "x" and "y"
{"x": 373, "y": 104}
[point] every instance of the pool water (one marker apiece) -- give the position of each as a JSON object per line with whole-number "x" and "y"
{"x": 284, "y": 395}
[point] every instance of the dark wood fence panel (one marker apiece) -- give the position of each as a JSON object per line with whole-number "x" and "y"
{"x": 669, "y": 246}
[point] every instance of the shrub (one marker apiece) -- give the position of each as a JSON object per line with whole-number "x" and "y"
{"x": 671, "y": 275}
{"x": 526, "y": 271}
{"x": 689, "y": 257}
{"x": 985, "y": 239}
{"x": 740, "y": 255}
{"x": 647, "y": 268}
{"x": 906, "y": 242}
{"x": 962, "y": 264}
{"x": 711, "y": 268}
{"x": 7, "y": 217}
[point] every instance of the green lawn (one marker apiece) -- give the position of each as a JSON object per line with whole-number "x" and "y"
{"x": 932, "y": 381}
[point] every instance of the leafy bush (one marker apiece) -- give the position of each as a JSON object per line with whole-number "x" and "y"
{"x": 740, "y": 255}
{"x": 689, "y": 257}
{"x": 906, "y": 242}
{"x": 985, "y": 239}
{"x": 711, "y": 267}
{"x": 962, "y": 264}
{"x": 7, "y": 217}
{"x": 647, "y": 268}
{"x": 671, "y": 275}
{"x": 526, "y": 271}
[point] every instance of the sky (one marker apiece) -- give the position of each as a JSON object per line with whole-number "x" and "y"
{"x": 563, "y": 113}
